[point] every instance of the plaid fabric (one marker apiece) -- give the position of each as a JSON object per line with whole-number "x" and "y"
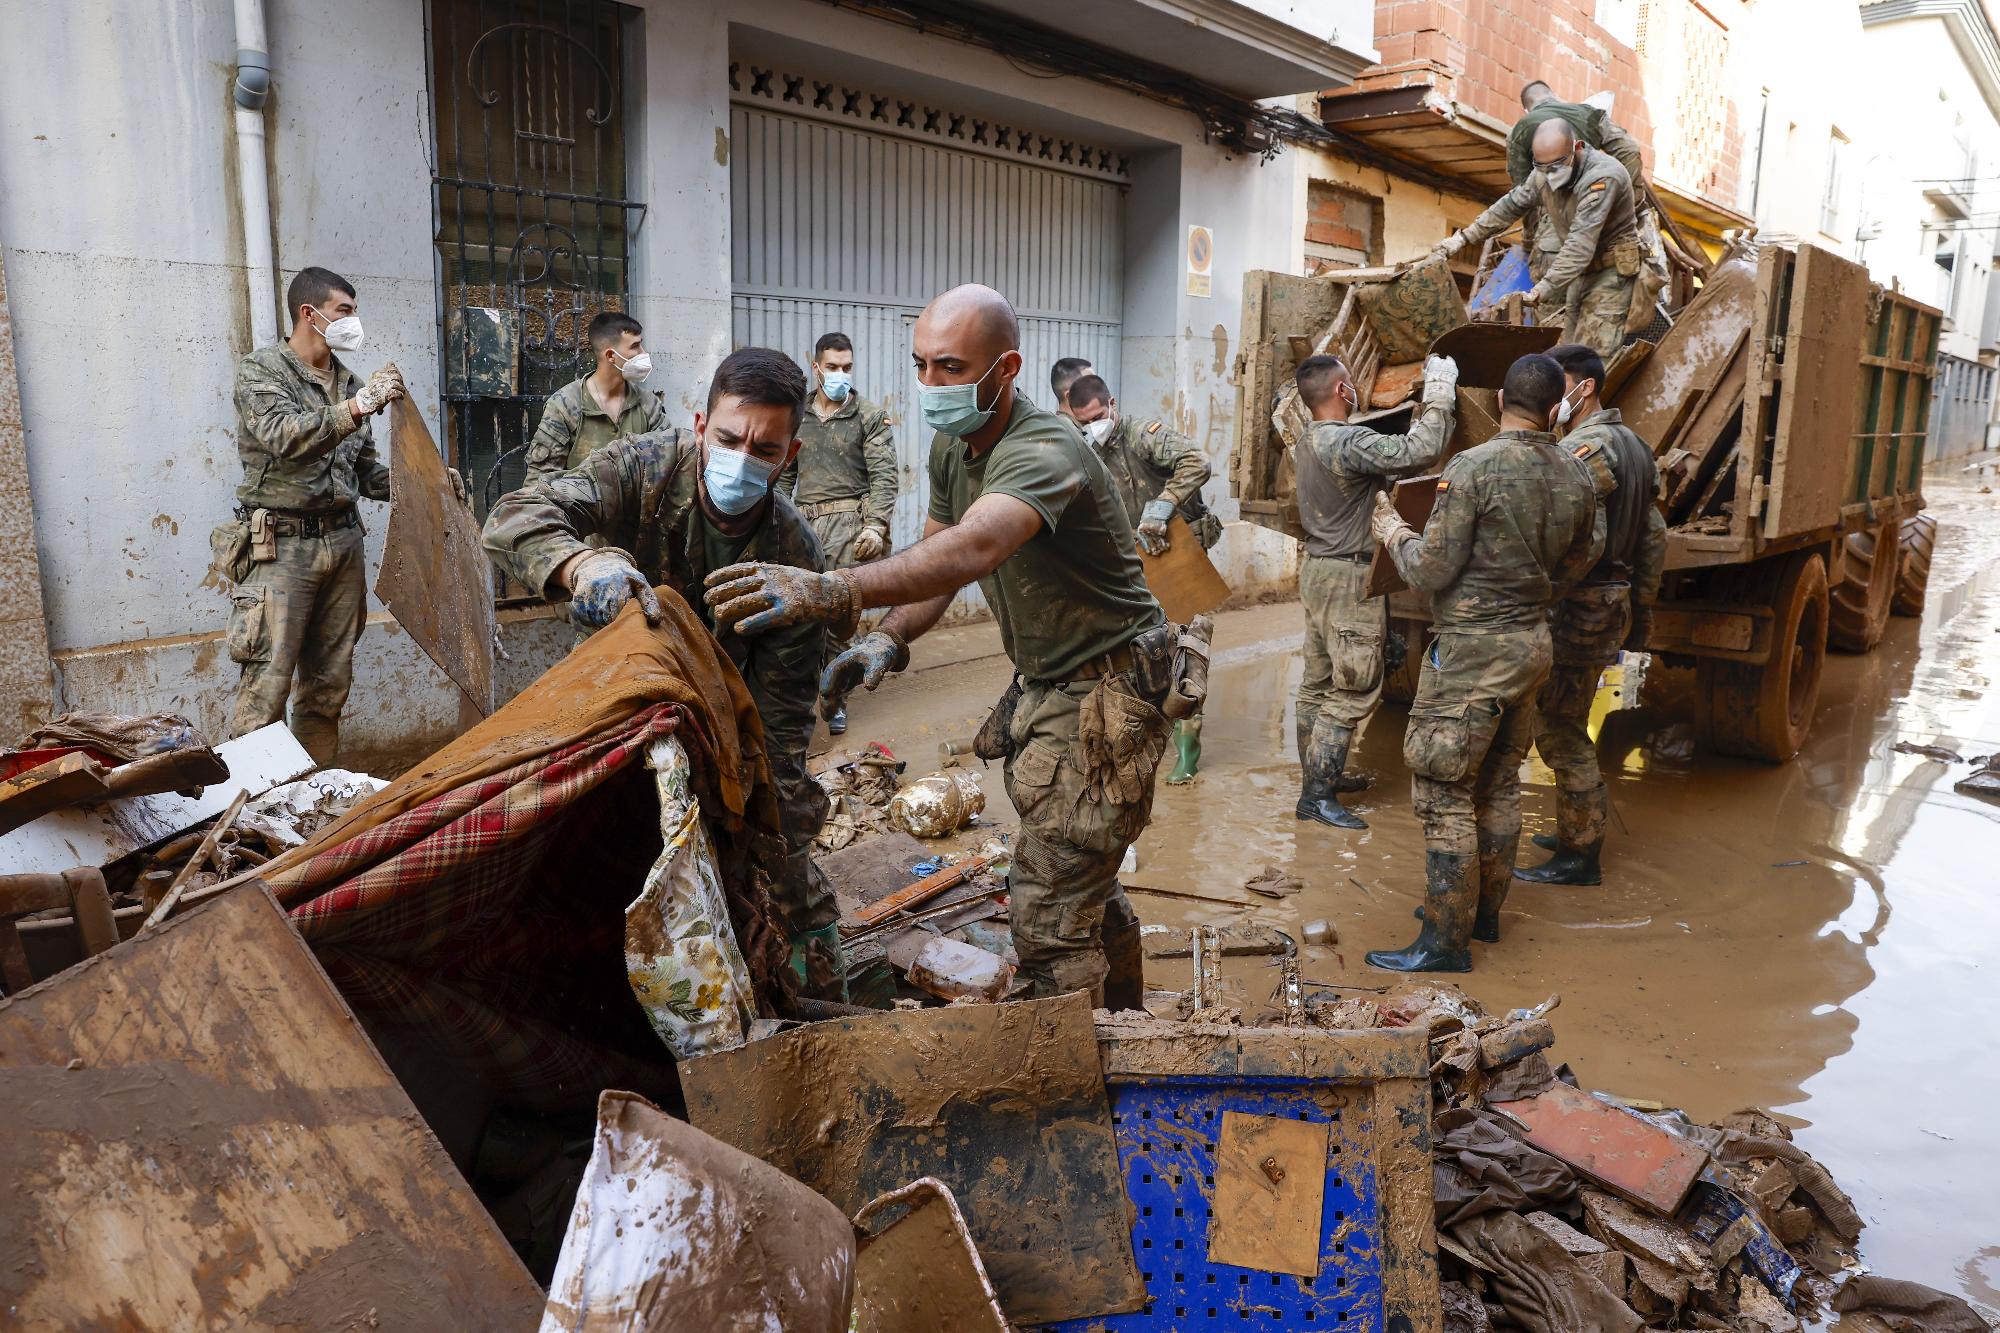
{"x": 486, "y": 925}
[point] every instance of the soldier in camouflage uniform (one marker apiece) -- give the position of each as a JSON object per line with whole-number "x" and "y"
{"x": 1595, "y": 127}
{"x": 1340, "y": 469}
{"x": 1065, "y": 372}
{"x": 1021, "y": 505}
{"x": 844, "y": 479}
{"x": 671, "y": 506}
{"x": 1612, "y": 605}
{"x": 1157, "y": 472}
{"x": 294, "y": 551}
{"x": 611, "y": 401}
{"x": 1516, "y": 523}
{"x": 1599, "y": 276}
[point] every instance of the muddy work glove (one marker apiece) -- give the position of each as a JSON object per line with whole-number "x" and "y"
{"x": 863, "y": 664}
{"x": 601, "y": 583}
{"x": 1387, "y": 525}
{"x": 752, "y": 598}
{"x": 1642, "y": 627}
{"x": 1153, "y": 518}
{"x": 458, "y": 488}
{"x": 871, "y": 543}
{"x": 384, "y": 387}
{"x": 1440, "y": 381}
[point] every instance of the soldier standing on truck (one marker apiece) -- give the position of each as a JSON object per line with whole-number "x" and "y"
{"x": 670, "y": 506}
{"x": 1515, "y": 524}
{"x": 844, "y": 479}
{"x": 1021, "y": 505}
{"x": 588, "y": 413}
{"x": 1598, "y": 280}
{"x": 1592, "y": 125}
{"x": 1611, "y": 608}
{"x": 1158, "y": 472}
{"x": 294, "y": 550}
{"x": 1341, "y": 468}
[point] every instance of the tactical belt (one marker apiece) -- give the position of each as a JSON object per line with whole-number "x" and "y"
{"x": 819, "y": 508}
{"x": 1352, "y": 558}
{"x": 1113, "y": 662}
{"x": 293, "y": 523}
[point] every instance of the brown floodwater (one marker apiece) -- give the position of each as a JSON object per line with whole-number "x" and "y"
{"x": 1815, "y": 937}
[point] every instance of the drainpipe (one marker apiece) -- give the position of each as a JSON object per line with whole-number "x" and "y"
{"x": 252, "y": 90}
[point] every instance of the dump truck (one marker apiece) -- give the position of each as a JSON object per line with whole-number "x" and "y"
{"x": 1788, "y": 407}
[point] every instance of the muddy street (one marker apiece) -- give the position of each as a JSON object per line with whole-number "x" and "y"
{"x": 1809, "y": 937}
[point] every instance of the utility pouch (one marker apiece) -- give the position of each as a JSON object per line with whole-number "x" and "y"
{"x": 994, "y": 739}
{"x": 1153, "y": 661}
{"x": 229, "y": 550}
{"x": 263, "y": 538}
{"x": 1628, "y": 258}
{"x": 1190, "y": 689}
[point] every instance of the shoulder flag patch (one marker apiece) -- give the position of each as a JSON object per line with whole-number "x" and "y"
{"x": 1153, "y": 428}
{"x": 1583, "y": 451}
{"x": 1601, "y": 185}
{"x": 1443, "y": 486}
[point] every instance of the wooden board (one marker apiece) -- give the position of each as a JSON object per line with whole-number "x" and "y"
{"x": 1184, "y": 580}
{"x": 435, "y": 577}
{"x": 1714, "y": 426}
{"x": 1812, "y": 450}
{"x": 71, "y": 780}
{"x": 1630, "y": 1156}
{"x": 1692, "y": 356}
{"x": 1415, "y": 497}
{"x": 201, "y": 1136}
{"x": 872, "y": 868}
{"x": 1270, "y": 1190}
{"x": 1485, "y": 352}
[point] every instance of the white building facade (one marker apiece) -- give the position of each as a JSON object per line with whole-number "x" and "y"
{"x": 727, "y": 173}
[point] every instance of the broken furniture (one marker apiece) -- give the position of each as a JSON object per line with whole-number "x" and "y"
{"x": 201, "y": 1136}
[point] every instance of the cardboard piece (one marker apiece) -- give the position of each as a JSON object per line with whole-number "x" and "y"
{"x": 1629, "y": 1155}
{"x": 1184, "y": 580}
{"x": 435, "y": 577}
{"x": 1270, "y": 1190}
{"x": 1004, "y": 1104}
{"x": 1414, "y": 498}
{"x": 200, "y": 1135}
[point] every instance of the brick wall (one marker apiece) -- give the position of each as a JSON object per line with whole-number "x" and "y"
{"x": 1343, "y": 227}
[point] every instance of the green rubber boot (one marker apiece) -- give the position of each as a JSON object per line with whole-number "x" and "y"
{"x": 1187, "y": 742}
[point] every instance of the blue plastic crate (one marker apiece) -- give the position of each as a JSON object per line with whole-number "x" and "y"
{"x": 1167, "y": 1130}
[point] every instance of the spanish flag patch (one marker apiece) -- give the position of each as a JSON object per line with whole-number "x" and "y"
{"x": 1601, "y": 185}
{"x": 1443, "y": 486}
{"x": 1583, "y": 451}
{"x": 1154, "y": 428}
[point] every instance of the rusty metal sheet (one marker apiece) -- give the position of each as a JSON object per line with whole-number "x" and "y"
{"x": 435, "y": 578}
{"x": 200, "y": 1136}
{"x": 1414, "y": 497}
{"x": 1183, "y": 579}
{"x": 1270, "y": 1189}
{"x": 1485, "y": 352}
{"x": 1630, "y": 1156}
{"x": 1003, "y": 1103}
{"x": 1693, "y": 355}
{"x": 1811, "y": 455}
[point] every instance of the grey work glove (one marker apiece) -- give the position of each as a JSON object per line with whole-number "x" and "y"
{"x": 871, "y": 543}
{"x": 861, "y": 664}
{"x": 384, "y": 387}
{"x": 601, "y": 583}
{"x": 1387, "y": 525}
{"x": 754, "y": 597}
{"x": 1153, "y": 526}
{"x": 458, "y": 487}
{"x": 1440, "y": 381}
{"x": 1444, "y": 250}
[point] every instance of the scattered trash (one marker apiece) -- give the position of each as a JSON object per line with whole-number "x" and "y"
{"x": 939, "y": 804}
{"x": 859, "y": 786}
{"x": 1787, "y": 865}
{"x": 1272, "y": 882}
{"x": 1907, "y": 1307}
{"x": 1929, "y": 752}
{"x": 1321, "y": 933}
{"x": 953, "y": 970}
{"x": 1985, "y": 782}
{"x": 1619, "y": 1149}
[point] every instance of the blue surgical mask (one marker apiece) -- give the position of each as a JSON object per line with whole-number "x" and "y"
{"x": 837, "y": 384}
{"x": 736, "y": 482}
{"x": 953, "y": 409}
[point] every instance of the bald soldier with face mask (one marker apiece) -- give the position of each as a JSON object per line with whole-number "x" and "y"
{"x": 1022, "y": 506}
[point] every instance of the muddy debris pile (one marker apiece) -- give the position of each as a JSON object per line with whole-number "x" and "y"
{"x": 1559, "y": 1208}
{"x": 859, "y": 786}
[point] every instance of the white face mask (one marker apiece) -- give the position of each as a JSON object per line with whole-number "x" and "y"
{"x": 635, "y": 369}
{"x": 1566, "y": 408}
{"x": 343, "y": 334}
{"x": 1098, "y": 431}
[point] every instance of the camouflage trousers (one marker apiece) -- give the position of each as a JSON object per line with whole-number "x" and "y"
{"x": 1587, "y": 630}
{"x": 1597, "y": 309}
{"x": 1064, "y": 900}
{"x": 804, "y": 897}
{"x": 300, "y": 614}
{"x": 1470, "y": 725}
{"x": 1345, "y": 631}
{"x": 836, "y": 533}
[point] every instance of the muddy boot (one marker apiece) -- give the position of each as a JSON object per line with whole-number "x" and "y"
{"x": 1326, "y": 756}
{"x": 1548, "y": 842}
{"x": 1449, "y": 894}
{"x": 1187, "y": 742}
{"x": 1496, "y": 872}
{"x": 1125, "y": 959}
{"x": 1579, "y": 840}
{"x": 837, "y": 724}
{"x": 319, "y": 736}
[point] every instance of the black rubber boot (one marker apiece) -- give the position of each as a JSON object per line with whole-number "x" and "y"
{"x": 1124, "y": 957}
{"x": 1579, "y": 840}
{"x": 1346, "y": 781}
{"x": 1450, "y": 890}
{"x": 1548, "y": 842}
{"x": 1326, "y": 755}
{"x": 1496, "y": 873}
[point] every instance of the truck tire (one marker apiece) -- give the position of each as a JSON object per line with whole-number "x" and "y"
{"x": 1913, "y": 578}
{"x": 1859, "y": 600}
{"x": 1764, "y": 712}
{"x": 1400, "y": 686}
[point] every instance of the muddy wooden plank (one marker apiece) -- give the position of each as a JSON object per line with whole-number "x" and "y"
{"x": 1183, "y": 579}
{"x": 1003, "y": 1103}
{"x": 71, "y": 780}
{"x": 1415, "y": 497}
{"x": 435, "y": 577}
{"x": 1692, "y": 355}
{"x": 1619, "y": 1150}
{"x": 1810, "y": 458}
{"x": 1707, "y": 439}
{"x": 1270, "y": 1188}
{"x": 201, "y": 1136}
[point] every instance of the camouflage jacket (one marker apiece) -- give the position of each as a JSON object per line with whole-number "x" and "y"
{"x": 1592, "y": 125}
{"x": 574, "y": 426}
{"x": 1628, "y": 490}
{"x": 1149, "y": 461}
{"x": 1594, "y": 216}
{"x": 851, "y": 455}
{"x": 302, "y": 450}
{"x": 639, "y": 494}
{"x": 1341, "y": 468}
{"x": 1516, "y": 524}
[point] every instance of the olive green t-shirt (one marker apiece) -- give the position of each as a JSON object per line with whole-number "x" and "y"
{"x": 718, "y": 548}
{"x": 1075, "y": 591}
